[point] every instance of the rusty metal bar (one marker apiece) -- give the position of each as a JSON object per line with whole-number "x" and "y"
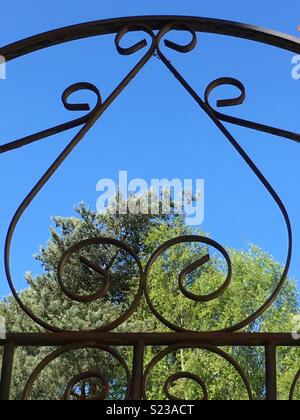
{"x": 110, "y": 26}
{"x": 149, "y": 339}
{"x": 137, "y": 372}
{"x": 6, "y": 373}
{"x": 271, "y": 372}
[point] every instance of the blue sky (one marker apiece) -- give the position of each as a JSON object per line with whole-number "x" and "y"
{"x": 154, "y": 130}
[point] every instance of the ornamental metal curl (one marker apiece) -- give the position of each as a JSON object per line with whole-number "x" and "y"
{"x": 27, "y": 392}
{"x": 104, "y": 273}
{"x": 222, "y": 103}
{"x": 70, "y": 394}
{"x": 187, "y": 270}
{"x": 188, "y": 375}
{"x": 184, "y": 375}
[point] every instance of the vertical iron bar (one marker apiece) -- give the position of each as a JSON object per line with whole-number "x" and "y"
{"x": 271, "y": 372}
{"x": 6, "y": 372}
{"x": 137, "y": 372}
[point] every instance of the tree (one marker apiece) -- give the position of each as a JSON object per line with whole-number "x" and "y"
{"x": 255, "y": 275}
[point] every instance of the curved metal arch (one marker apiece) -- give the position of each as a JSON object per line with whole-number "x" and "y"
{"x": 113, "y": 26}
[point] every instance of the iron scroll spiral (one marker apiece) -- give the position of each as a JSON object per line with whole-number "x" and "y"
{"x": 188, "y": 375}
{"x": 94, "y": 374}
{"x": 84, "y": 377}
{"x": 105, "y": 276}
{"x": 187, "y": 270}
{"x": 184, "y": 375}
{"x": 239, "y": 100}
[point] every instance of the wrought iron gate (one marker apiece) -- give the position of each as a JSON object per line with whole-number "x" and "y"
{"x": 156, "y": 29}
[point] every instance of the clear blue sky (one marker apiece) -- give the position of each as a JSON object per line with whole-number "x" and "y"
{"x": 154, "y": 130}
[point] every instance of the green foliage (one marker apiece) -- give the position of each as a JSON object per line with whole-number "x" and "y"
{"x": 255, "y": 275}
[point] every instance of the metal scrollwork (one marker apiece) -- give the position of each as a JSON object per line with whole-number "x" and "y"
{"x": 103, "y": 274}
{"x": 155, "y": 41}
{"x": 188, "y": 375}
{"x": 91, "y": 118}
{"x": 81, "y": 376}
{"x": 187, "y": 270}
{"x": 86, "y": 376}
{"x": 222, "y": 103}
{"x": 184, "y": 375}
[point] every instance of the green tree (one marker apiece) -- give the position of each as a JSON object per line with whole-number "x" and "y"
{"x": 255, "y": 275}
